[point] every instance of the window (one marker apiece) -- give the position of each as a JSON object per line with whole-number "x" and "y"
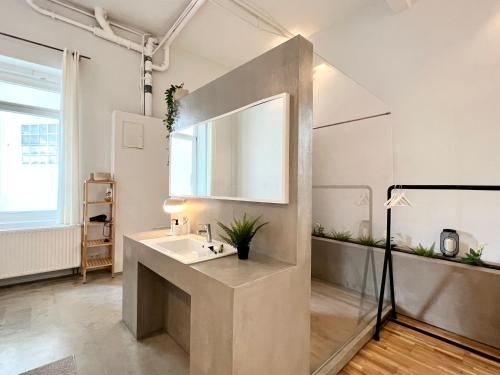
{"x": 29, "y": 144}
{"x": 39, "y": 143}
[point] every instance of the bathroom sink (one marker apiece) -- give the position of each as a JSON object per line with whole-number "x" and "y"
{"x": 189, "y": 248}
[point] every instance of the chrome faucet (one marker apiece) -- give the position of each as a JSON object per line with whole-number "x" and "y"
{"x": 206, "y": 230}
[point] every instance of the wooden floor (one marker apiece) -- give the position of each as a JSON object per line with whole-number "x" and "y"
{"x": 337, "y": 315}
{"x": 402, "y": 351}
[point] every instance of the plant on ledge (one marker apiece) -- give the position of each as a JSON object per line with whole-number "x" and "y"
{"x": 345, "y": 235}
{"x": 424, "y": 251}
{"x": 318, "y": 230}
{"x": 172, "y": 108}
{"x": 473, "y": 257}
{"x": 369, "y": 241}
{"x": 240, "y": 233}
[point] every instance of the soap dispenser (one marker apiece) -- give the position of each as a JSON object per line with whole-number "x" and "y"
{"x": 175, "y": 227}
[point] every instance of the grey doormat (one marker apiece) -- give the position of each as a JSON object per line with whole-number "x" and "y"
{"x": 65, "y": 366}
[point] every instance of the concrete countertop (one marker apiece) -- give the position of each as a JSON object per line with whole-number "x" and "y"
{"x": 228, "y": 270}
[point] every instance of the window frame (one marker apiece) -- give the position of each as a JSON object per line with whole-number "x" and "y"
{"x": 32, "y": 219}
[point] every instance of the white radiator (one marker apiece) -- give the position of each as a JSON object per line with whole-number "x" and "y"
{"x": 31, "y": 251}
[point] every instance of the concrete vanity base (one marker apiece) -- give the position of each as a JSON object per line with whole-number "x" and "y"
{"x": 239, "y": 315}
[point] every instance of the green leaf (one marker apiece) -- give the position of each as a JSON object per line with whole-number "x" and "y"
{"x": 240, "y": 232}
{"x": 369, "y": 241}
{"x": 473, "y": 257}
{"x": 424, "y": 251}
{"x": 345, "y": 236}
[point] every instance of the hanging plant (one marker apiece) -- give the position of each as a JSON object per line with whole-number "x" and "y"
{"x": 172, "y": 107}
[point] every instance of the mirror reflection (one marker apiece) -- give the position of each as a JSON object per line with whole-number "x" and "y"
{"x": 242, "y": 155}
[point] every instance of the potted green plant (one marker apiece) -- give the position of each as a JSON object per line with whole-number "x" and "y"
{"x": 473, "y": 257}
{"x": 240, "y": 233}
{"x": 172, "y": 107}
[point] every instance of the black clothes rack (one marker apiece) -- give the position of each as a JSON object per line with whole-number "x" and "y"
{"x": 392, "y": 316}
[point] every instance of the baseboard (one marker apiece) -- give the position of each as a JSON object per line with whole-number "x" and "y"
{"x": 36, "y": 277}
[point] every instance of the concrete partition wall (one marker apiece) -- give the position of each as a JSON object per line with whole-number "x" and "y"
{"x": 286, "y": 68}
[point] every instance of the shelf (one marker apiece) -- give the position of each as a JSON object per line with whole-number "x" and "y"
{"x": 437, "y": 256}
{"x": 96, "y": 243}
{"x": 100, "y": 182}
{"x": 99, "y": 262}
{"x": 99, "y": 202}
{"x": 103, "y": 244}
{"x": 96, "y": 223}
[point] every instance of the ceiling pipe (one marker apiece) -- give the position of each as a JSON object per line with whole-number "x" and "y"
{"x": 174, "y": 31}
{"x": 98, "y": 31}
{"x": 58, "y": 17}
{"x": 91, "y": 15}
{"x": 148, "y": 50}
{"x": 102, "y": 18}
{"x": 148, "y": 76}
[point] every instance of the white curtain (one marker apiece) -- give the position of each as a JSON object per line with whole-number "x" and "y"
{"x": 69, "y": 187}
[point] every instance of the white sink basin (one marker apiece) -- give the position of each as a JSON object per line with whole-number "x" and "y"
{"x": 189, "y": 248}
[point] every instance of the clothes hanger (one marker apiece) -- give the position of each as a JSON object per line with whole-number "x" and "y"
{"x": 398, "y": 199}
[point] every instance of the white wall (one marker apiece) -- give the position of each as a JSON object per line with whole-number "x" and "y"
{"x": 355, "y": 153}
{"x": 436, "y": 66}
{"x": 142, "y": 177}
{"x": 110, "y": 81}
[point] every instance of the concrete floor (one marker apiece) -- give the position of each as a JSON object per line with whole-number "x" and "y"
{"x": 45, "y": 321}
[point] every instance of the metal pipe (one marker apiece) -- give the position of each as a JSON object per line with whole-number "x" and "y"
{"x": 148, "y": 76}
{"x": 56, "y": 16}
{"x": 174, "y": 31}
{"x": 179, "y": 24}
{"x": 91, "y": 15}
{"x": 148, "y": 50}
{"x": 101, "y": 17}
{"x": 95, "y": 30}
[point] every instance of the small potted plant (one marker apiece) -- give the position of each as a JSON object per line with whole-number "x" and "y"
{"x": 172, "y": 96}
{"x": 473, "y": 257}
{"x": 240, "y": 233}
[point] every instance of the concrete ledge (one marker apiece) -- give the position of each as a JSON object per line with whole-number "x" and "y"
{"x": 454, "y": 296}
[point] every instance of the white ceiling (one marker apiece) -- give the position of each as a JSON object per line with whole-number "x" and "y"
{"x": 221, "y": 32}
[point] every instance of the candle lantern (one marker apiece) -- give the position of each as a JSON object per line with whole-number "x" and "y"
{"x": 449, "y": 242}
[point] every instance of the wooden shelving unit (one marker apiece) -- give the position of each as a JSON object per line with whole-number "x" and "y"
{"x": 108, "y": 260}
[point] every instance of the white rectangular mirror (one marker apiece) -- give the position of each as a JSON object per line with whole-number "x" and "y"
{"x": 241, "y": 155}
